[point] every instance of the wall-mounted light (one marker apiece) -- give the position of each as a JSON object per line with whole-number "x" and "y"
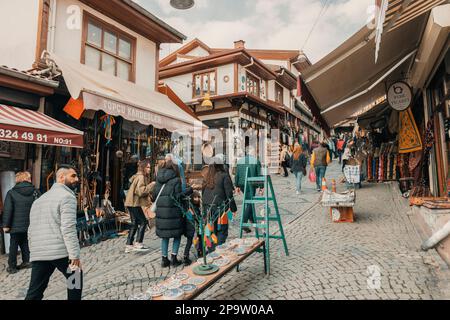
{"x": 182, "y": 4}
{"x": 207, "y": 101}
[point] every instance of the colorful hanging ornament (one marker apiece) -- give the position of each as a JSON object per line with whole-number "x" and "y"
{"x": 208, "y": 242}
{"x": 214, "y": 238}
{"x": 196, "y": 240}
{"x": 107, "y": 124}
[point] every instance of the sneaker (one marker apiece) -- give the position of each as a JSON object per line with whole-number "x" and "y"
{"x": 187, "y": 261}
{"x": 139, "y": 247}
{"x": 12, "y": 270}
{"x": 175, "y": 262}
{"x": 298, "y": 192}
{"x": 247, "y": 230}
{"x": 165, "y": 262}
{"x": 129, "y": 248}
{"x": 24, "y": 265}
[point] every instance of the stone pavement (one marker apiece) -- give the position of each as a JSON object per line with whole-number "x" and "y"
{"x": 377, "y": 257}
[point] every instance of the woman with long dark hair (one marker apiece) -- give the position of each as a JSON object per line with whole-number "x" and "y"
{"x": 169, "y": 216}
{"x": 218, "y": 197}
{"x": 138, "y": 197}
{"x": 299, "y": 163}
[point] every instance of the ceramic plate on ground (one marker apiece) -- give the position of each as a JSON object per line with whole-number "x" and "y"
{"x": 209, "y": 260}
{"x": 173, "y": 294}
{"x": 240, "y": 251}
{"x": 214, "y": 255}
{"x": 222, "y": 262}
{"x": 140, "y": 297}
{"x": 196, "y": 281}
{"x": 236, "y": 242}
{"x": 174, "y": 284}
{"x": 188, "y": 288}
{"x": 156, "y": 291}
{"x": 223, "y": 247}
{"x": 180, "y": 276}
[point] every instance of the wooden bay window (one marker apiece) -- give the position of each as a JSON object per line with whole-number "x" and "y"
{"x": 108, "y": 49}
{"x": 204, "y": 83}
{"x": 253, "y": 85}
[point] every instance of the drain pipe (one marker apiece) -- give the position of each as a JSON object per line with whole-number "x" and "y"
{"x": 252, "y": 62}
{"x": 437, "y": 237}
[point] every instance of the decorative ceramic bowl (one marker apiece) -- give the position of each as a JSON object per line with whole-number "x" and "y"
{"x": 223, "y": 247}
{"x": 209, "y": 260}
{"x": 236, "y": 242}
{"x": 174, "y": 284}
{"x": 140, "y": 297}
{"x": 156, "y": 291}
{"x": 239, "y": 251}
{"x": 196, "y": 281}
{"x": 173, "y": 294}
{"x": 188, "y": 288}
{"x": 180, "y": 276}
{"x": 213, "y": 255}
{"x": 222, "y": 262}
{"x": 245, "y": 247}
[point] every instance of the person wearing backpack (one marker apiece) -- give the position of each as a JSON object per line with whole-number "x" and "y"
{"x": 16, "y": 219}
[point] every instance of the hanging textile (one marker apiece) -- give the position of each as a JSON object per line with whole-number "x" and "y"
{"x": 107, "y": 124}
{"x": 409, "y": 137}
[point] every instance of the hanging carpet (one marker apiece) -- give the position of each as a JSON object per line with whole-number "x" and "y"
{"x": 409, "y": 137}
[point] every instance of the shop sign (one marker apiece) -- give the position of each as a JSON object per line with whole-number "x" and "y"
{"x": 39, "y": 136}
{"x": 399, "y": 96}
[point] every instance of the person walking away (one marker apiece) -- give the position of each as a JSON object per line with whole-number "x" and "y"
{"x": 299, "y": 163}
{"x": 169, "y": 216}
{"x": 218, "y": 197}
{"x": 254, "y": 170}
{"x": 340, "y": 148}
{"x": 16, "y": 219}
{"x": 53, "y": 237}
{"x": 189, "y": 227}
{"x": 319, "y": 161}
{"x": 284, "y": 159}
{"x": 138, "y": 196}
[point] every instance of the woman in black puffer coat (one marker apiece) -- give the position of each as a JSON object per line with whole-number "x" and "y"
{"x": 169, "y": 217}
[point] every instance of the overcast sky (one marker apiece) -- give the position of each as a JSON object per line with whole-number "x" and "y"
{"x": 266, "y": 24}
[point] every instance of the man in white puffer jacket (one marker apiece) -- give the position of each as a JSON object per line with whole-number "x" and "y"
{"x": 53, "y": 237}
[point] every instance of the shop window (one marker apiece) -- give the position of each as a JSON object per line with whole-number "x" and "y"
{"x": 108, "y": 49}
{"x": 279, "y": 93}
{"x": 253, "y": 85}
{"x": 205, "y": 83}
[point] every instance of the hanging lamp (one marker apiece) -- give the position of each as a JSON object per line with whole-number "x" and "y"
{"x": 182, "y": 4}
{"x": 207, "y": 101}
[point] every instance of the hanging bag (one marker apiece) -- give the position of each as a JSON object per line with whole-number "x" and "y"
{"x": 312, "y": 175}
{"x": 151, "y": 212}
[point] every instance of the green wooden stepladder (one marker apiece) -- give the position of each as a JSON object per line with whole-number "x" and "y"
{"x": 262, "y": 222}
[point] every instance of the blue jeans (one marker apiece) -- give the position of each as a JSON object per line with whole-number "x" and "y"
{"x": 298, "y": 180}
{"x": 165, "y": 246}
{"x": 320, "y": 173}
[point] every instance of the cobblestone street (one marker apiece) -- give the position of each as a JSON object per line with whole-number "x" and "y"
{"x": 326, "y": 261}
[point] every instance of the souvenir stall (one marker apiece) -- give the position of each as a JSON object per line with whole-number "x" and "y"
{"x": 389, "y": 144}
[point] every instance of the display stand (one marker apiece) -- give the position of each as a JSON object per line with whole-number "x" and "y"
{"x": 262, "y": 222}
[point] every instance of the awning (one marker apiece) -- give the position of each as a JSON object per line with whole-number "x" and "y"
{"x": 395, "y": 13}
{"x": 118, "y": 97}
{"x": 348, "y": 79}
{"x": 28, "y": 126}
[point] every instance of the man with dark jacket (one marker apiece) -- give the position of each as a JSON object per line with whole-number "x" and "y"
{"x": 16, "y": 219}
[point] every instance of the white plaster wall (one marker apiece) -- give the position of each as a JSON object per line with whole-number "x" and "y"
{"x": 179, "y": 85}
{"x": 18, "y": 33}
{"x": 286, "y": 97}
{"x": 222, "y": 86}
{"x": 198, "y": 52}
{"x": 68, "y": 42}
{"x": 271, "y": 90}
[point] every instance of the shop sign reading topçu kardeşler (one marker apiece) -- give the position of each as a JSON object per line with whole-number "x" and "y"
{"x": 399, "y": 96}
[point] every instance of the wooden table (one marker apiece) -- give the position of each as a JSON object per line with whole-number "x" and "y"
{"x": 213, "y": 278}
